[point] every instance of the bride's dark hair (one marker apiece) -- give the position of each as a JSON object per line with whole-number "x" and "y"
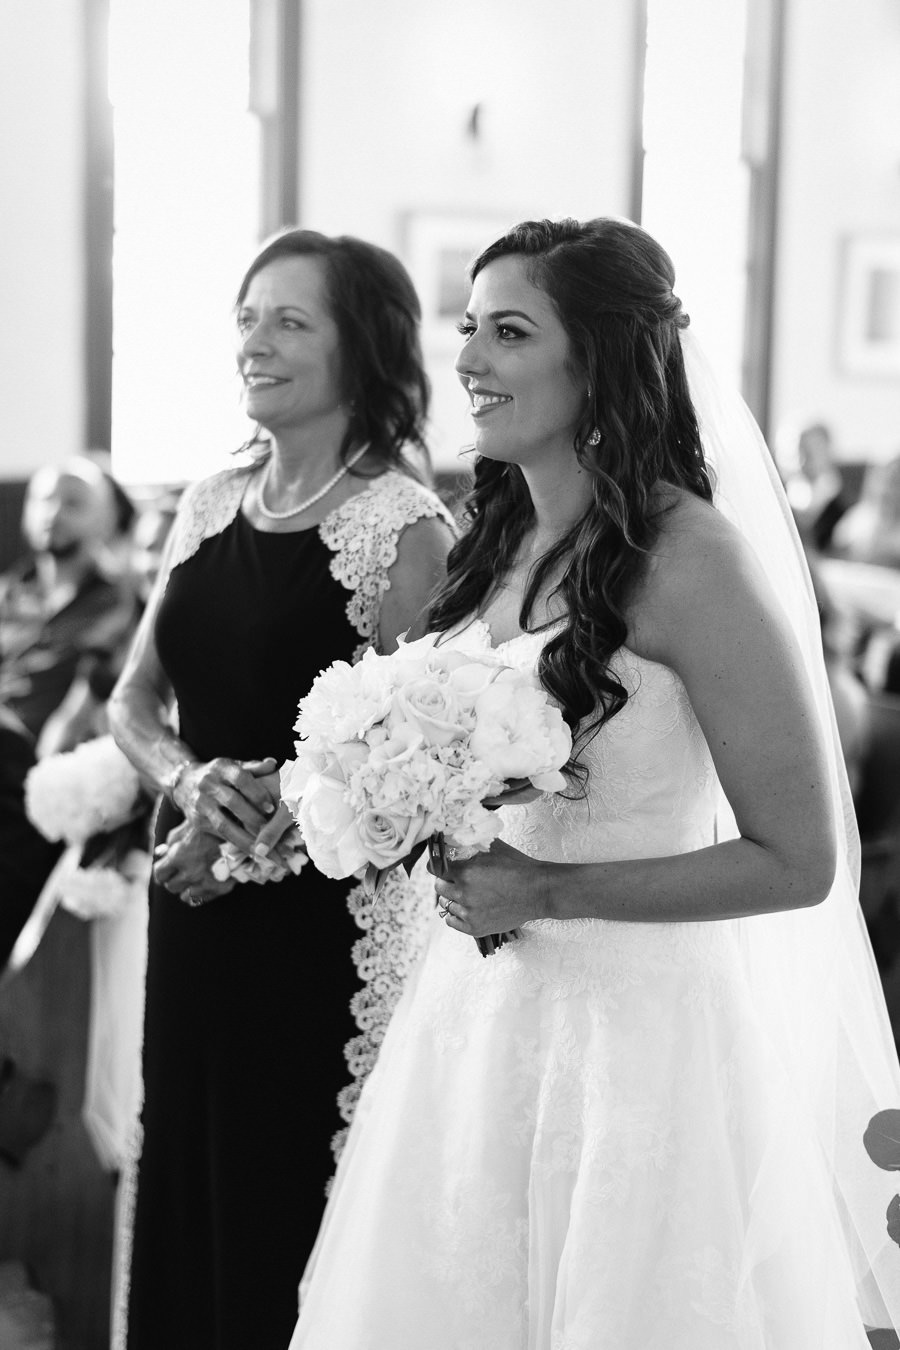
{"x": 611, "y": 285}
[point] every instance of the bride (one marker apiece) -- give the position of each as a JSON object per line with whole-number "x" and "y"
{"x": 639, "y": 1126}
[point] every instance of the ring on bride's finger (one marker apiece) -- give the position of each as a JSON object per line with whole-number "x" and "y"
{"x": 442, "y": 913}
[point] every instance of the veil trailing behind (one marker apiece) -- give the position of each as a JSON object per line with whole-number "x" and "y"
{"x": 811, "y": 971}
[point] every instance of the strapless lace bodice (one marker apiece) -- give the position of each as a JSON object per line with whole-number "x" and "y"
{"x": 652, "y": 792}
{"x": 652, "y": 787}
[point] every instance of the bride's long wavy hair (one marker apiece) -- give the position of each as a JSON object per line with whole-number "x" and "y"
{"x": 611, "y": 285}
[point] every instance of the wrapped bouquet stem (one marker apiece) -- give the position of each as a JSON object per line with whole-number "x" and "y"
{"x": 417, "y": 749}
{"x": 437, "y": 852}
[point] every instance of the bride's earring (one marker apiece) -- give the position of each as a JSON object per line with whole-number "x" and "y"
{"x": 595, "y": 436}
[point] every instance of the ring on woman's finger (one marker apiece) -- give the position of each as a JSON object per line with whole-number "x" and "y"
{"x": 446, "y": 910}
{"x": 193, "y": 899}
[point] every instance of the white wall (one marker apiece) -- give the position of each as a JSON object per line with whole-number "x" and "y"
{"x": 387, "y": 91}
{"x": 840, "y": 175}
{"x": 41, "y": 259}
{"x": 695, "y": 185}
{"x": 186, "y": 226}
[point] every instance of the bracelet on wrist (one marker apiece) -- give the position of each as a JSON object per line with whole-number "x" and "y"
{"x": 171, "y": 781}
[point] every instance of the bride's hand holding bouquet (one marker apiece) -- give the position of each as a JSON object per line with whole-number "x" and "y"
{"x": 416, "y": 748}
{"x": 490, "y": 893}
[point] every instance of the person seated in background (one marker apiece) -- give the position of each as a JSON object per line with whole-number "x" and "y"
{"x": 26, "y": 857}
{"x": 870, "y": 530}
{"x": 848, "y": 693}
{"x": 67, "y": 614}
{"x": 82, "y": 713}
{"x": 63, "y": 610}
{"x": 880, "y": 660}
{"x": 813, "y": 483}
{"x": 27, "y": 1106}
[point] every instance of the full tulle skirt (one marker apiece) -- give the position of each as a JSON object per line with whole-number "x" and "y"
{"x": 585, "y": 1142}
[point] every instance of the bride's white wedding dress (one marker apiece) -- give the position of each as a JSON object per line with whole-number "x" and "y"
{"x": 588, "y": 1141}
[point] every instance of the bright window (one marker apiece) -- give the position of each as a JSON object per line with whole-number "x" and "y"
{"x": 695, "y": 194}
{"x": 186, "y": 225}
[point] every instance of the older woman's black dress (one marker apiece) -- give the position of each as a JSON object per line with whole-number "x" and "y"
{"x": 248, "y": 997}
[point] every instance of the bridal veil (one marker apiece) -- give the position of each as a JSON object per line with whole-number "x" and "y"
{"x": 811, "y": 971}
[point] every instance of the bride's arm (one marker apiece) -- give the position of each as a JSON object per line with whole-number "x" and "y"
{"x": 707, "y": 612}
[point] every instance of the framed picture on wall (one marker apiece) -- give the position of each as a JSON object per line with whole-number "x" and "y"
{"x": 438, "y": 248}
{"x": 869, "y": 312}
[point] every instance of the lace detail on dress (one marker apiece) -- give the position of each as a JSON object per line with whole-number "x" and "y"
{"x": 394, "y": 930}
{"x": 478, "y": 1227}
{"x": 206, "y": 509}
{"x": 363, "y": 535}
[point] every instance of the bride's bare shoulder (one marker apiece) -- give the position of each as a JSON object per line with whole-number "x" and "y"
{"x": 693, "y": 534}
{"x": 699, "y": 564}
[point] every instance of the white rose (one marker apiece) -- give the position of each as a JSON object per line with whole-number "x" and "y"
{"x": 418, "y": 650}
{"x": 345, "y": 701}
{"x": 519, "y": 734}
{"x": 388, "y": 839}
{"x": 471, "y": 678}
{"x": 474, "y": 826}
{"x": 295, "y": 774}
{"x": 329, "y": 825}
{"x": 432, "y": 708}
{"x": 293, "y": 778}
{"x": 395, "y": 746}
{"x": 411, "y": 661}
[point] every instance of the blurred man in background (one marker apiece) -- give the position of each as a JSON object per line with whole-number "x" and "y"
{"x": 62, "y": 610}
{"x": 64, "y": 616}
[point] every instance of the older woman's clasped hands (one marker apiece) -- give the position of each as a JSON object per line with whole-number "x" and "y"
{"x": 238, "y": 801}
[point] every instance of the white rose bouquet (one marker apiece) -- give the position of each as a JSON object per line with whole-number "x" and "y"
{"x": 414, "y": 748}
{"x": 91, "y": 798}
{"x": 82, "y": 792}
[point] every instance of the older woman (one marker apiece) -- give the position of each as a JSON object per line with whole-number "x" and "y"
{"x": 265, "y": 1001}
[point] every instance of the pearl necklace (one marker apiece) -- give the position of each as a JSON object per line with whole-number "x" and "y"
{"x": 316, "y": 497}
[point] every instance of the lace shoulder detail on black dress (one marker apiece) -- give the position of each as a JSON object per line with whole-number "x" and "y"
{"x": 363, "y": 535}
{"x": 206, "y": 509}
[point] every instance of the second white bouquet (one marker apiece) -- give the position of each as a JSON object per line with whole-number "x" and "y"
{"x": 416, "y": 746}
